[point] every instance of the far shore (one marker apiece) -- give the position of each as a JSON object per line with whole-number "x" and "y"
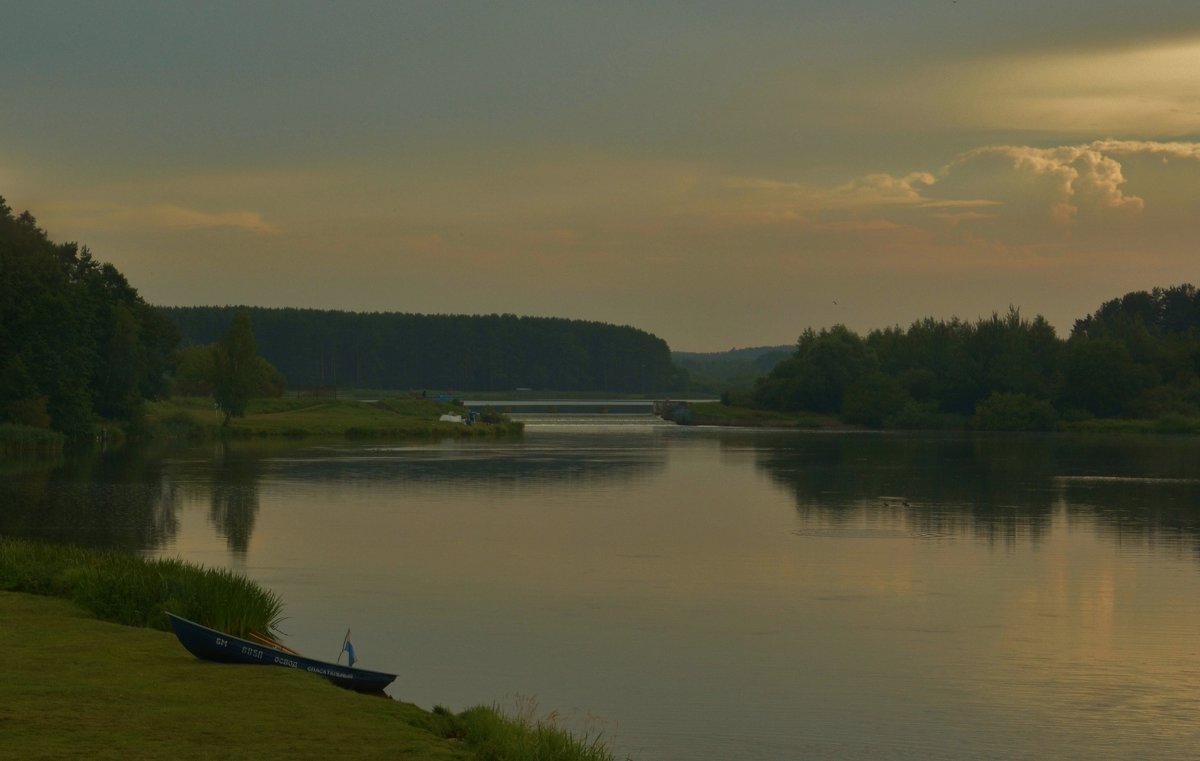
{"x": 301, "y": 417}
{"x": 717, "y": 414}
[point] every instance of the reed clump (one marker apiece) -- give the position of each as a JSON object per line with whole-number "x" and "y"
{"x": 494, "y": 734}
{"x": 16, "y": 440}
{"x": 127, "y": 589}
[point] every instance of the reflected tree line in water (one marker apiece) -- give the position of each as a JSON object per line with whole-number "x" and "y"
{"x": 499, "y": 469}
{"x": 100, "y": 500}
{"x": 997, "y": 488}
{"x": 131, "y": 499}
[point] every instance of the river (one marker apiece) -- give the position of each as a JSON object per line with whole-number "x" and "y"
{"x": 708, "y": 594}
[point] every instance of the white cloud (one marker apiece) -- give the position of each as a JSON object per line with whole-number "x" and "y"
{"x": 1006, "y": 206}
{"x": 1060, "y": 181}
{"x": 885, "y": 189}
{"x": 1167, "y": 150}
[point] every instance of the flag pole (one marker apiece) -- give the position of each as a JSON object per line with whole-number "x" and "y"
{"x": 344, "y": 641}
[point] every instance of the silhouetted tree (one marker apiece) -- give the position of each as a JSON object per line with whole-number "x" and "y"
{"x": 76, "y": 340}
{"x": 235, "y": 369}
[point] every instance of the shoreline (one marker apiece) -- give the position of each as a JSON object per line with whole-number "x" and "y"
{"x": 716, "y": 414}
{"x": 77, "y": 684}
{"x": 195, "y": 418}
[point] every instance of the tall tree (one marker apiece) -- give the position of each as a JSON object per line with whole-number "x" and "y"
{"x": 76, "y": 340}
{"x": 235, "y": 367}
{"x": 817, "y": 376}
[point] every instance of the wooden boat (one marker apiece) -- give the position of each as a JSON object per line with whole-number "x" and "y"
{"x": 212, "y": 645}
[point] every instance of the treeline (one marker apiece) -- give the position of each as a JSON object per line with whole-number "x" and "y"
{"x": 1137, "y": 356}
{"x": 712, "y": 372}
{"x": 390, "y": 350}
{"x": 77, "y": 342}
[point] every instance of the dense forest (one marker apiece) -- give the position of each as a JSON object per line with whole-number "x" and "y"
{"x": 77, "y": 342}
{"x": 313, "y": 347}
{"x": 1137, "y": 356}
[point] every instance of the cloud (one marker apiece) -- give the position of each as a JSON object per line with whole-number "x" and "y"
{"x": 1058, "y": 184}
{"x": 175, "y": 217}
{"x": 1009, "y": 208}
{"x": 112, "y": 217}
{"x": 1168, "y": 150}
{"x": 1060, "y": 181}
{"x": 884, "y": 189}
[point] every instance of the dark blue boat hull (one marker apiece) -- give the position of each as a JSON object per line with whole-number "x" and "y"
{"x": 212, "y": 645}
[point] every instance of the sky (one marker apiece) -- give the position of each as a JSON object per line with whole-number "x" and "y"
{"x": 719, "y": 174}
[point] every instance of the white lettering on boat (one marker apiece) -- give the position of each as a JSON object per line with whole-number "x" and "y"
{"x": 329, "y": 672}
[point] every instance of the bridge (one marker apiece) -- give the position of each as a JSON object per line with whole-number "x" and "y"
{"x": 574, "y": 406}
{"x": 564, "y": 406}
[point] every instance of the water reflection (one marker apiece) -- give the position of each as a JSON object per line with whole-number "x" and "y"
{"x": 116, "y": 499}
{"x": 131, "y": 499}
{"x": 647, "y": 577}
{"x": 992, "y": 487}
{"x": 233, "y": 499}
{"x": 501, "y": 466}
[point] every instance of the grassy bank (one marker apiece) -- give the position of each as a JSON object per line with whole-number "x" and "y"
{"x": 1170, "y": 424}
{"x": 76, "y": 686}
{"x": 715, "y": 413}
{"x": 127, "y": 589}
{"x": 189, "y": 417}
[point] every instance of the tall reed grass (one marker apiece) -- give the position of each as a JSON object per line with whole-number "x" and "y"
{"x": 493, "y": 734}
{"x": 135, "y": 591}
{"x": 27, "y": 440}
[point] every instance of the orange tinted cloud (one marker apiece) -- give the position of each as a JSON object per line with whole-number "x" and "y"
{"x": 112, "y": 217}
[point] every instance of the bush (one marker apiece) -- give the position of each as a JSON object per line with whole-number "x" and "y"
{"x": 1173, "y": 423}
{"x": 923, "y": 416}
{"x": 29, "y": 440}
{"x": 496, "y": 736}
{"x": 872, "y": 399}
{"x": 737, "y": 397}
{"x": 1014, "y": 412}
{"x": 1161, "y": 401}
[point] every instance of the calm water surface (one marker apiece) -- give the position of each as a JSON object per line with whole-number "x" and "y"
{"x": 700, "y": 594}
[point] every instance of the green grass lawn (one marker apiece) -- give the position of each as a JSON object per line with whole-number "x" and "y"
{"x": 77, "y": 687}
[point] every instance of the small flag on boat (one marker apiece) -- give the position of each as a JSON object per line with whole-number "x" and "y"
{"x": 348, "y": 649}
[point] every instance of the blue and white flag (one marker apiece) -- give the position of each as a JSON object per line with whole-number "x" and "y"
{"x": 348, "y": 649}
